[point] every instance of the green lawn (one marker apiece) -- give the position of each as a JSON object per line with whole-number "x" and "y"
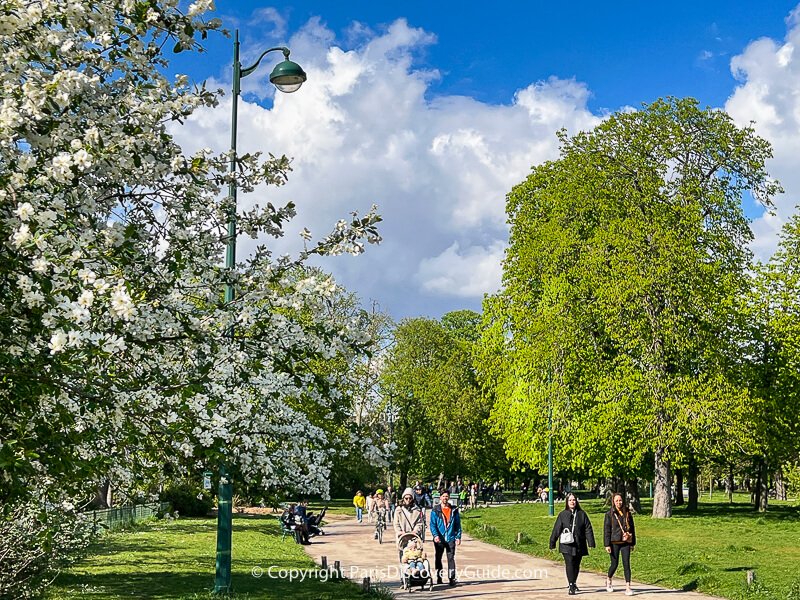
{"x": 176, "y": 561}
{"x": 709, "y": 551}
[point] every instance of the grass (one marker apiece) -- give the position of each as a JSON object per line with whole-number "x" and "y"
{"x": 709, "y": 551}
{"x": 176, "y": 560}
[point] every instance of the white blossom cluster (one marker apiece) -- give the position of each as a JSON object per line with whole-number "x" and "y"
{"x": 118, "y": 353}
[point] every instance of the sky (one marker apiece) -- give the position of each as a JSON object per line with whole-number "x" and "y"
{"x": 435, "y": 111}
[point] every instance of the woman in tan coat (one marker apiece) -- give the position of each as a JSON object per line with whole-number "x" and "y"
{"x": 408, "y": 517}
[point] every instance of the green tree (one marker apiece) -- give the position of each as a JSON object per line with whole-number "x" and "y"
{"x": 625, "y": 257}
{"x": 429, "y": 375}
{"x": 770, "y": 362}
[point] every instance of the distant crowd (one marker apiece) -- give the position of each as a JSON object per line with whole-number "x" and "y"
{"x": 572, "y": 531}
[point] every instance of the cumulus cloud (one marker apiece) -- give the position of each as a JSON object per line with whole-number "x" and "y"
{"x": 467, "y": 274}
{"x": 364, "y": 129}
{"x": 769, "y": 95}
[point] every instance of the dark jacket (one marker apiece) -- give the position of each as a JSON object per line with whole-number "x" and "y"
{"x": 583, "y": 533}
{"x": 612, "y": 533}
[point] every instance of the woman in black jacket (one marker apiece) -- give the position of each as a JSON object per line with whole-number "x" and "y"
{"x": 575, "y": 520}
{"x": 619, "y": 538}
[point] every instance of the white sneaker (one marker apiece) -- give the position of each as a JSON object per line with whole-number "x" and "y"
{"x": 629, "y": 592}
{"x": 609, "y": 587}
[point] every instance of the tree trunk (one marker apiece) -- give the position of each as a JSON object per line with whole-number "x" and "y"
{"x": 662, "y": 503}
{"x": 763, "y": 487}
{"x": 679, "y": 487}
{"x": 691, "y": 474}
{"x": 729, "y": 484}
{"x": 632, "y": 495}
{"x": 403, "y": 479}
{"x": 103, "y": 497}
{"x": 780, "y": 485}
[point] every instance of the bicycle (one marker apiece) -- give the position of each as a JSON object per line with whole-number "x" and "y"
{"x": 380, "y": 525}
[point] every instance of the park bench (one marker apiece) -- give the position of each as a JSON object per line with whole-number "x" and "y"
{"x": 288, "y": 531}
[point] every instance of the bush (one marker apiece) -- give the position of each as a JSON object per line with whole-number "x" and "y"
{"x": 188, "y": 500}
{"x": 36, "y": 543}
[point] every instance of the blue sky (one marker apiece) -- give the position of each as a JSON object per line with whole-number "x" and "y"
{"x": 435, "y": 110}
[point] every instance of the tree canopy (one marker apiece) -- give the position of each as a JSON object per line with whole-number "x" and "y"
{"x": 625, "y": 260}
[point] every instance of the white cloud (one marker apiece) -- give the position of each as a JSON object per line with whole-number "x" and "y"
{"x": 769, "y": 94}
{"x": 467, "y": 274}
{"x": 364, "y": 130}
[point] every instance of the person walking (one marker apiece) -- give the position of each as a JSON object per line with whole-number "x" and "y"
{"x": 391, "y": 496}
{"x": 619, "y": 538}
{"x": 573, "y": 531}
{"x": 360, "y": 502}
{"x": 408, "y": 517}
{"x": 446, "y": 532}
{"x": 371, "y": 514}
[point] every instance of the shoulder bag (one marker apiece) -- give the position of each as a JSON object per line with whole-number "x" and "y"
{"x": 626, "y": 535}
{"x": 567, "y": 536}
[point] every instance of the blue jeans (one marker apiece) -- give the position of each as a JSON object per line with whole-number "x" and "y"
{"x": 359, "y": 513}
{"x": 417, "y": 564}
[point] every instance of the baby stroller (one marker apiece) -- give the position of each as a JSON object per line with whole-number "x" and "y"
{"x": 408, "y": 577}
{"x": 314, "y": 522}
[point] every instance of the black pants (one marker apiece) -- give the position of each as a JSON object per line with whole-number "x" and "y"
{"x": 450, "y": 548}
{"x": 573, "y": 564}
{"x": 616, "y": 550}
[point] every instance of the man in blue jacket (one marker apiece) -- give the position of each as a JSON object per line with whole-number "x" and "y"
{"x": 446, "y": 532}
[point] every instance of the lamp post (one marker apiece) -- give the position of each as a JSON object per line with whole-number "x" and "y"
{"x": 551, "y": 507}
{"x": 391, "y": 417}
{"x": 287, "y": 76}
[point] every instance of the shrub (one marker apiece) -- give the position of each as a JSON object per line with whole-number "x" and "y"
{"x": 37, "y": 542}
{"x": 188, "y": 500}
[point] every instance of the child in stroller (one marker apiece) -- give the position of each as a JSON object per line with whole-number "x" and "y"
{"x": 414, "y": 566}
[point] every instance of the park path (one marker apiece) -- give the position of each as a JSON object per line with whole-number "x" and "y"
{"x": 485, "y": 572}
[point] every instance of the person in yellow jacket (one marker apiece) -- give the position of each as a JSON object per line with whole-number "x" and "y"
{"x": 360, "y": 502}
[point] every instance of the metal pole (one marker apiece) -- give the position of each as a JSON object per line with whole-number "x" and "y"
{"x": 222, "y": 580}
{"x": 550, "y": 474}
{"x": 551, "y": 508}
{"x": 391, "y": 439}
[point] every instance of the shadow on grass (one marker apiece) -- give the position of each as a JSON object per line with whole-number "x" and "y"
{"x": 691, "y": 586}
{"x": 735, "y": 512}
{"x": 154, "y": 584}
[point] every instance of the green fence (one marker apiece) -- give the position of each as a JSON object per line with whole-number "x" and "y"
{"x": 112, "y": 518}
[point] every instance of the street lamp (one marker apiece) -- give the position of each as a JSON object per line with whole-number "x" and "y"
{"x": 551, "y": 506}
{"x": 391, "y": 417}
{"x": 287, "y": 76}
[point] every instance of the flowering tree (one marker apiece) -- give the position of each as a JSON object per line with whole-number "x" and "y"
{"x": 116, "y": 352}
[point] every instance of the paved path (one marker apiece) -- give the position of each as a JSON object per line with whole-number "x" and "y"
{"x": 486, "y": 572}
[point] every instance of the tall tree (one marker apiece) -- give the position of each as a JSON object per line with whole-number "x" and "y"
{"x": 625, "y": 257}
{"x": 770, "y": 361}
{"x": 115, "y": 351}
{"x": 430, "y": 374}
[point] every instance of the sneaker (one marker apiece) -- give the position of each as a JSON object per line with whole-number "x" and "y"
{"x": 571, "y": 591}
{"x": 629, "y": 592}
{"x": 609, "y": 587}
{"x": 438, "y": 581}
{"x": 452, "y": 583}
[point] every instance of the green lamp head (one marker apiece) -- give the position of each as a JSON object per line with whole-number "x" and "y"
{"x": 287, "y": 76}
